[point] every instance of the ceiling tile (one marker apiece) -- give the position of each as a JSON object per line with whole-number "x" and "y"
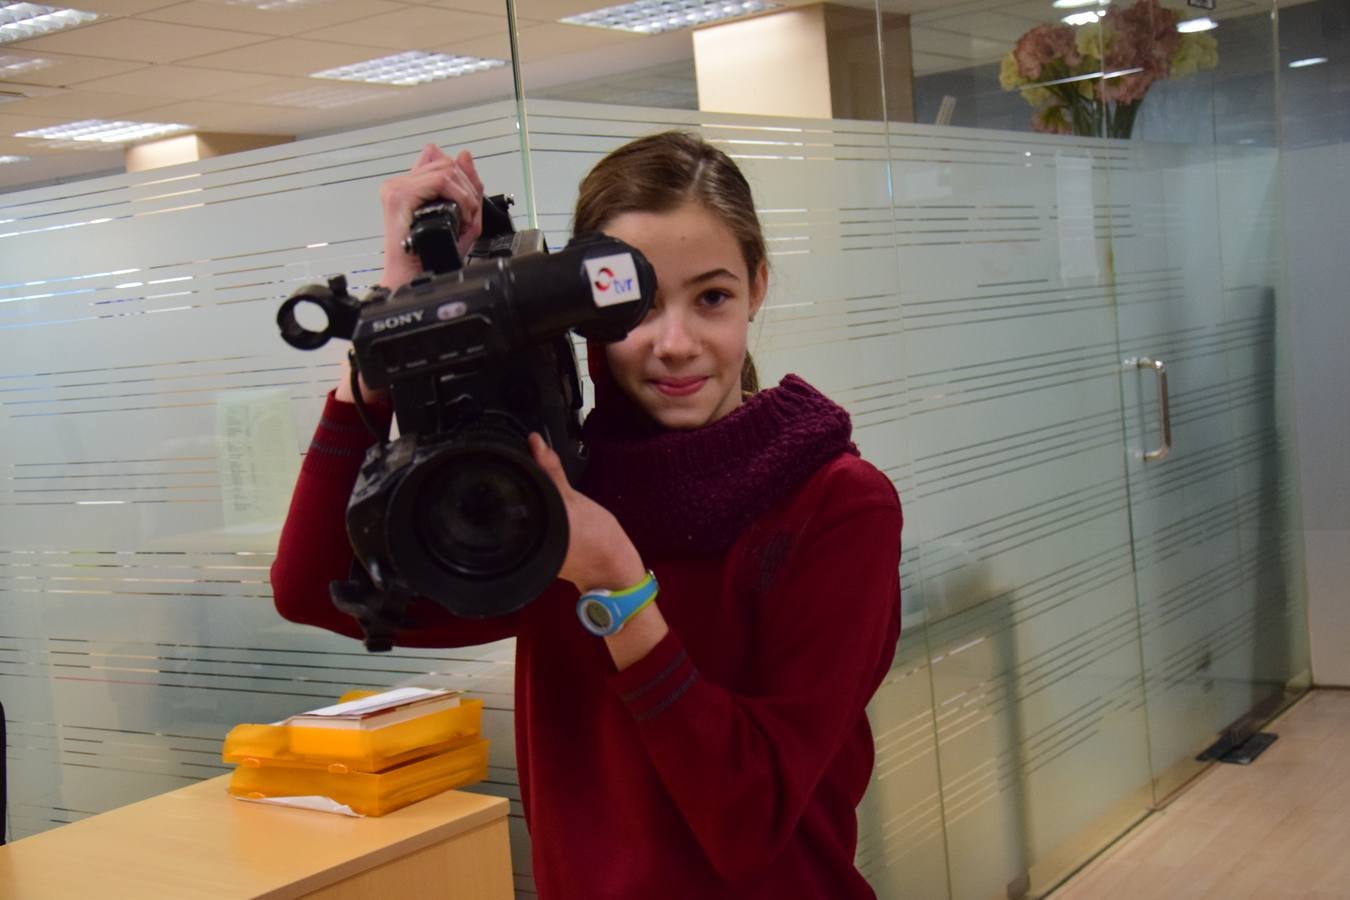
{"x": 75, "y": 105}
{"x": 279, "y": 22}
{"x": 483, "y": 7}
{"x": 216, "y": 115}
{"x": 139, "y": 40}
{"x": 315, "y": 93}
{"x": 553, "y": 10}
{"x": 489, "y": 46}
{"x": 544, "y": 41}
{"x": 118, "y": 7}
{"x": 412, "y": 28}
{"x": 66, "y": 70}
{"x": 180, "y": 82}
{"x": 286, "y": 56}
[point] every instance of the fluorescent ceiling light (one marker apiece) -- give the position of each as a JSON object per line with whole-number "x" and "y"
{"x": 4, "y": 160}
{"x": 103, "y": 131}
{"x": 267, "y": 5}
{"x": 1074, "y": 4}
{"x": 413, "y": 67}
{"x": 1192, "y": 25}
{"x": 12, "y": 66}
{"x": 1310, "y": 61}
{"x": 19, "y": 21}
{"x": 1083, "y": 18}
{"x": 656, "y": 16}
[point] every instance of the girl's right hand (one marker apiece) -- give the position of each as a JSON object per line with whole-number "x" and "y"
{"x": 435, "y": 176}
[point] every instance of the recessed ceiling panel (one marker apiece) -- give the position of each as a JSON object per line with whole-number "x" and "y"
{"x": 63, "y": 69}
{"x": 412, "y": 28}
{"x": 216, "y": 115}
{"x": 81, "y": 105}
{"x": 135, "y": 39}
{"x": 117, "y": 7}
{"x": 312, "y": 93}
{"x": 482, "y": 7}
{"x": 287, "y": 56}
{"x": 278, "y": 21}
{"x": 545, "y": 41}
{"x": 178, "y": 82}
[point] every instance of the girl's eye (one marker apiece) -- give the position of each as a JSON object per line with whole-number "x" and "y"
{"x": 714, "y": 298}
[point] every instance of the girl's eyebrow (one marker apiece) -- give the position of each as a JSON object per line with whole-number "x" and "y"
{"x": 710, "y": 275}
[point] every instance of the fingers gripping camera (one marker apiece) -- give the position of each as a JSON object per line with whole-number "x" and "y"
{"x": 476, "y": 357}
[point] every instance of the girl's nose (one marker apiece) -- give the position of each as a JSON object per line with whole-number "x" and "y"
{"x": 674, "y": 339}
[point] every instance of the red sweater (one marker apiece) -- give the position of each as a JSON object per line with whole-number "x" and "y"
{"x": 727, "y": 763}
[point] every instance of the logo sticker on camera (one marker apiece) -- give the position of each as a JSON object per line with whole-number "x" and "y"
{"x": 613, "y": 279}
{"x": 447, "y": 311}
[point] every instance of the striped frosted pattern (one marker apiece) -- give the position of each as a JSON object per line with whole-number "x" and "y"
{"x": 1077, "y": 623}
{"x": 1217, "y": 554}
{"x": 153, "y": 424}
{"x": 1021, "y": 503}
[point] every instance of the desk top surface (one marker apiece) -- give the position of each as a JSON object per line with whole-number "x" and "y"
{"x": 198, "y": 842}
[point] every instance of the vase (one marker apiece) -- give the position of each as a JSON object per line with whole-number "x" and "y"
{"x": 1094, "y": 118}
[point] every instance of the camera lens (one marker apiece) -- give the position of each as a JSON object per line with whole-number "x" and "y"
{"x": 480, "y": 516}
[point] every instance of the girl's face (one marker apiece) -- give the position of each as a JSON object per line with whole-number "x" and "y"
{"x": 682, "y": 365}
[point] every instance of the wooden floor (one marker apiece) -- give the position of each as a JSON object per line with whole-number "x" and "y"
{"x": 1279, "y": 828}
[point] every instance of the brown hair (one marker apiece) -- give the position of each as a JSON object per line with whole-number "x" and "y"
{"x": 662, "y": 172}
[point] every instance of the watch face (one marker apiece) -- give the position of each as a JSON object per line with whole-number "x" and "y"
{"x": 598, "y": 615}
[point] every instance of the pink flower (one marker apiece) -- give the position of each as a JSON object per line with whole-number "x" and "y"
{"x": 1125, "y": 88}
{"x": 1043, "y": 45}
{"x": 1143, "y": 36}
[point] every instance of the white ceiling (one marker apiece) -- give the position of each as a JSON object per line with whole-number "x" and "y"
{"x": 224, "y": 65}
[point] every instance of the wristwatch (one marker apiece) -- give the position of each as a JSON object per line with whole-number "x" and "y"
{"x": 606, "y": 612}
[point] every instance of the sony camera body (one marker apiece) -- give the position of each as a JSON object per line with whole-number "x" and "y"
{"x": 476, "y": 357}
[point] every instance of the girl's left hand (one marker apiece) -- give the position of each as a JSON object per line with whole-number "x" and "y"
{"x": 599, "y": 552}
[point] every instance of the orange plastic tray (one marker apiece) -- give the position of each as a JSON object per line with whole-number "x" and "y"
{"x": 367, "y": 793}
{"x": 373, "y": 750}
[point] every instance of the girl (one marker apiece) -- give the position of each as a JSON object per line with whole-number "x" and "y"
{"x": 711, "y": 742}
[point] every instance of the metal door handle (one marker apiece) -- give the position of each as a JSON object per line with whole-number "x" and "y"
{"x": 1160, "y": 369}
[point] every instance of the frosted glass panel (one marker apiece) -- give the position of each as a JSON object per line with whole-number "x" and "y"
{"x": 1215, "y": 534}
{"x": 1021, "y": 499}
{"x": 153, "y": 424}
{"x": 1260, "y": 369}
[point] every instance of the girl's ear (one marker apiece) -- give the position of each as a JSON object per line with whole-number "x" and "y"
{"x": 759, "y": 287}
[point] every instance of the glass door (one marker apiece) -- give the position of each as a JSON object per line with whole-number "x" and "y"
{"x": 1196, "y": 271}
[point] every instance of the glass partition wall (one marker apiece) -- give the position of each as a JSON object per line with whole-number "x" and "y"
{"x": 1033, "y": 247}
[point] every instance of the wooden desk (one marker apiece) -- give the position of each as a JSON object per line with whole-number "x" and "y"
{"x": 198, "y": 843}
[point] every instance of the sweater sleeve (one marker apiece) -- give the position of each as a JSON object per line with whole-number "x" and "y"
{"x": 742, "y": 767}
{"x": 314, "y": 550}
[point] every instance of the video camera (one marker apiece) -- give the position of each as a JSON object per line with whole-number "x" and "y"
{"x": 476, "y": 355}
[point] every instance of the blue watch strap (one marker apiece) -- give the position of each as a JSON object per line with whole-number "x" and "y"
{"x": 606, "y": 612}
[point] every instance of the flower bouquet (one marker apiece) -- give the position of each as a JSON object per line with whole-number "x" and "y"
{"x": 1089, "y": 79}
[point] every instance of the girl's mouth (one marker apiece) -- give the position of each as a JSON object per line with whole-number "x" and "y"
{"x": 678, "y": 387}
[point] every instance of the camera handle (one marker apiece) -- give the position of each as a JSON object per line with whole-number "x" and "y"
{"x": 341, "y": 309}
{"x": 380, "y": 613}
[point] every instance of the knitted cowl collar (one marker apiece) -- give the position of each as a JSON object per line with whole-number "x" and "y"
{"x": 692, "y": 493}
